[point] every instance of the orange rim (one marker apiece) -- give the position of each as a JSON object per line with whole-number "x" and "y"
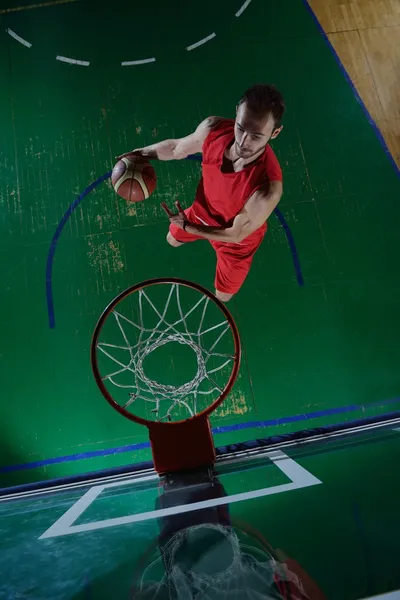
{"x": 132, "y": 290}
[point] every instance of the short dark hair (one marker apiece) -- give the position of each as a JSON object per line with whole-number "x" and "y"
{"x": 263, "y": 99}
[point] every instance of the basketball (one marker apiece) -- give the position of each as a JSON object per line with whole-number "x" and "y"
{"x": 134, "y": 179}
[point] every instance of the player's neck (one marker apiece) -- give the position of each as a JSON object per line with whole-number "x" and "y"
{"x": 238, "y": 162}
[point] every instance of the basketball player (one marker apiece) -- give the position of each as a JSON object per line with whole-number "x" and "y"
{"x": 240, "y": 187}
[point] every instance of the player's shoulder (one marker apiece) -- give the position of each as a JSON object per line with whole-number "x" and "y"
{"x": 218, "y": 130}
{"x": 214, "y": 124}
{"x": 272, "y": 167}
{"x": 270, "y": 152}
{"x": 270, "y": 156}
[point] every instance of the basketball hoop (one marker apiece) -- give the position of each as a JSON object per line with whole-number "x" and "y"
{"x": 168, "y": 315}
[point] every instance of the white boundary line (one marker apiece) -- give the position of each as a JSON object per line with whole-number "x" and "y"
{"x": 130, "y": 63}
{"x": 300, "y": 478}
{"x": 243, "y": 8}
{"x": 72, "y": 61}
{"x": 201, "y": 42}
{"x": 18, "y": 38}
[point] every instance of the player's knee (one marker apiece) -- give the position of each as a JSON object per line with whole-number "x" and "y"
{"x": 223, "y": 297}
{"x": 172, "y": 241}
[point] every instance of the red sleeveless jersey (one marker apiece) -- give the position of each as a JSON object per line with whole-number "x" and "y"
{"x": 221, "y": 196}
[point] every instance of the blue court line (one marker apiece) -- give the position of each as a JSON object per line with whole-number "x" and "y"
{"x": 216, "y": 431}
{"x": 94, "y": 185}
{"x": 353, "y": 87}
{"x": 53, "y": 246}
{"x": 292, "y": 246}
{"x": 341, "y": 410}
{"x": 296, "y": 436}
{"x": 305, "y": 434}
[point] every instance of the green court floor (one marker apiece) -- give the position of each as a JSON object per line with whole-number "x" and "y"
{"x": 309, "y": 350}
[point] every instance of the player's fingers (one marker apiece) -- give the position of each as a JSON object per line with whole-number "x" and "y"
{"x": 179, "y": 207}
{"x": 125, "y": 155}
{"x": 166, "y": 209}
{"x": 130, "y": 153}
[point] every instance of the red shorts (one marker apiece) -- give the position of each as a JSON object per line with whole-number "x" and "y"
{"x": 233, "y": 260}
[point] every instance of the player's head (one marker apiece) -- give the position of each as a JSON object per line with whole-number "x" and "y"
{"x": 258, "y": 119}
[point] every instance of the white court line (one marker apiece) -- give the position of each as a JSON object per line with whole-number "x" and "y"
{"x": 300, "y": 478}
{"x": 130, "y": 63}
{"x": 72, "y": 61}
{"x": 201, "y": 42}
{"x": 243, "y": 8}
{"x": 18, "y": 38}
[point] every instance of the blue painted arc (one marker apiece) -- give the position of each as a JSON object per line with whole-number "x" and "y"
{"x": 86, "y": 192}
{"x": 54, "y": 241}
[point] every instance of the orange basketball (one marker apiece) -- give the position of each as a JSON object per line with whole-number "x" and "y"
{"x": 134, "y": 179}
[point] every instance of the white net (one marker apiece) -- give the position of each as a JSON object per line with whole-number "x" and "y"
{"x": 189, "y": 319}
{"x": 208, "y": 562}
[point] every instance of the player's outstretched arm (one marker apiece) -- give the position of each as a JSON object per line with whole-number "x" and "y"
{"x": 179, "y": 148}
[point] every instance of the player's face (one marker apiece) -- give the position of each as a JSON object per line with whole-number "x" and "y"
{"x": 253, "y": 133}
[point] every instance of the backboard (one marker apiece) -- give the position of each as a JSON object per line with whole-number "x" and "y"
{"x": 294, "y": 504}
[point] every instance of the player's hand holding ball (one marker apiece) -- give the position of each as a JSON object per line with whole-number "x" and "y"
{"x": 133, "y": 177}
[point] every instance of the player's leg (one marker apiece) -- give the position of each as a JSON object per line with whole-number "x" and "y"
{"x": 172, "y": 241}
{"x": 223, "y": 296}
{"x": 233, "y": 265}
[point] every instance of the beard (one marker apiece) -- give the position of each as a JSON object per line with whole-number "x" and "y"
{"x": 246, "y": 154}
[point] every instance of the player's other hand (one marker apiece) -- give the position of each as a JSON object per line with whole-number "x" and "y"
{"x": 178, "y": 218}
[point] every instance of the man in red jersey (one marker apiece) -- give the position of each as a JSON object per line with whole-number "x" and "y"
{"x": 240, "y": 187}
